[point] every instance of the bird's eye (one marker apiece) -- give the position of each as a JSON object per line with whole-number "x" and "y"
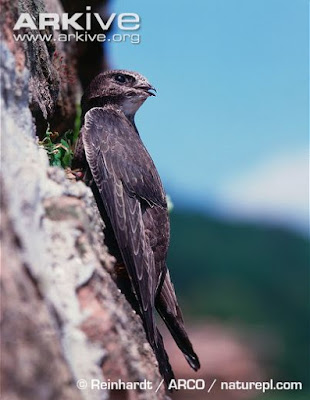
{"x": 120, "y": 78}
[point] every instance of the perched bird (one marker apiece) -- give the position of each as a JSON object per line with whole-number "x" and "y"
{"x": 132, "y": 203}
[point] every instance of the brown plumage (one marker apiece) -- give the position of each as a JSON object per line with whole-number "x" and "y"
{"x": 132, "y": 202}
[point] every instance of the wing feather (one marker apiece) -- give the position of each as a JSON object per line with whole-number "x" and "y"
{"x": 125, "y": 177}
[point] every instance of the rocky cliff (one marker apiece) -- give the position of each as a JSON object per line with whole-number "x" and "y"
{"x": 63, "y": 318}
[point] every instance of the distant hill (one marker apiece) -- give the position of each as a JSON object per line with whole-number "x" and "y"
{"x": 245, "y": 274}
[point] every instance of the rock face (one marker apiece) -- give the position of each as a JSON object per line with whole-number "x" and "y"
{"x": 53, "y": 84}
{"x": 63, "y": 318}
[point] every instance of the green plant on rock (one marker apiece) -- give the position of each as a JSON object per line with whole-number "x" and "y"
{"x": 60, "y": 148}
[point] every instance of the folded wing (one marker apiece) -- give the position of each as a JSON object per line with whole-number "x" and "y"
{"x": 126, "y": 179}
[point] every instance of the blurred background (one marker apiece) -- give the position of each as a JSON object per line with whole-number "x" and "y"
{"x": 228, "y": 133}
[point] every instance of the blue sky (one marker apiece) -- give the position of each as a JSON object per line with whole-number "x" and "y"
{"x": 232, "y": 81}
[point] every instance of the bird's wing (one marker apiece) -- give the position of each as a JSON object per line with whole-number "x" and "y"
{"x": 126, "y": 178}
{"x": 168, "y": 308}
{"x": 125, "y": 154}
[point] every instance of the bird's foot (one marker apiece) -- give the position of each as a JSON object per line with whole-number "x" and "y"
{"x": 74, "y": 174}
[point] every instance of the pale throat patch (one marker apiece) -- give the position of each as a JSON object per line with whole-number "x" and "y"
{"x": 131, "y": 105}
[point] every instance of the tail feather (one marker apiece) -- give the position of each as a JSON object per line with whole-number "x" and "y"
{"x": 163, "y": 360}
{"x": 153, "y": 335}
{"x": 168, "y": 308}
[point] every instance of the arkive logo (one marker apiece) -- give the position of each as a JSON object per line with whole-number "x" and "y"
{"x": 125, "y": 21}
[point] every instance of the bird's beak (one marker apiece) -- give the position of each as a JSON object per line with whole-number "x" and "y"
{"x": 152, "y": 91}
{"x": 149, "y": 89}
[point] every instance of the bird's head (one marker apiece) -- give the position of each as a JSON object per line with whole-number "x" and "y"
{"x": 127, "y": 89}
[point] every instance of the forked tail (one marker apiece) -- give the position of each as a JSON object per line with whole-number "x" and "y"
{"x": 168, "y": 308}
